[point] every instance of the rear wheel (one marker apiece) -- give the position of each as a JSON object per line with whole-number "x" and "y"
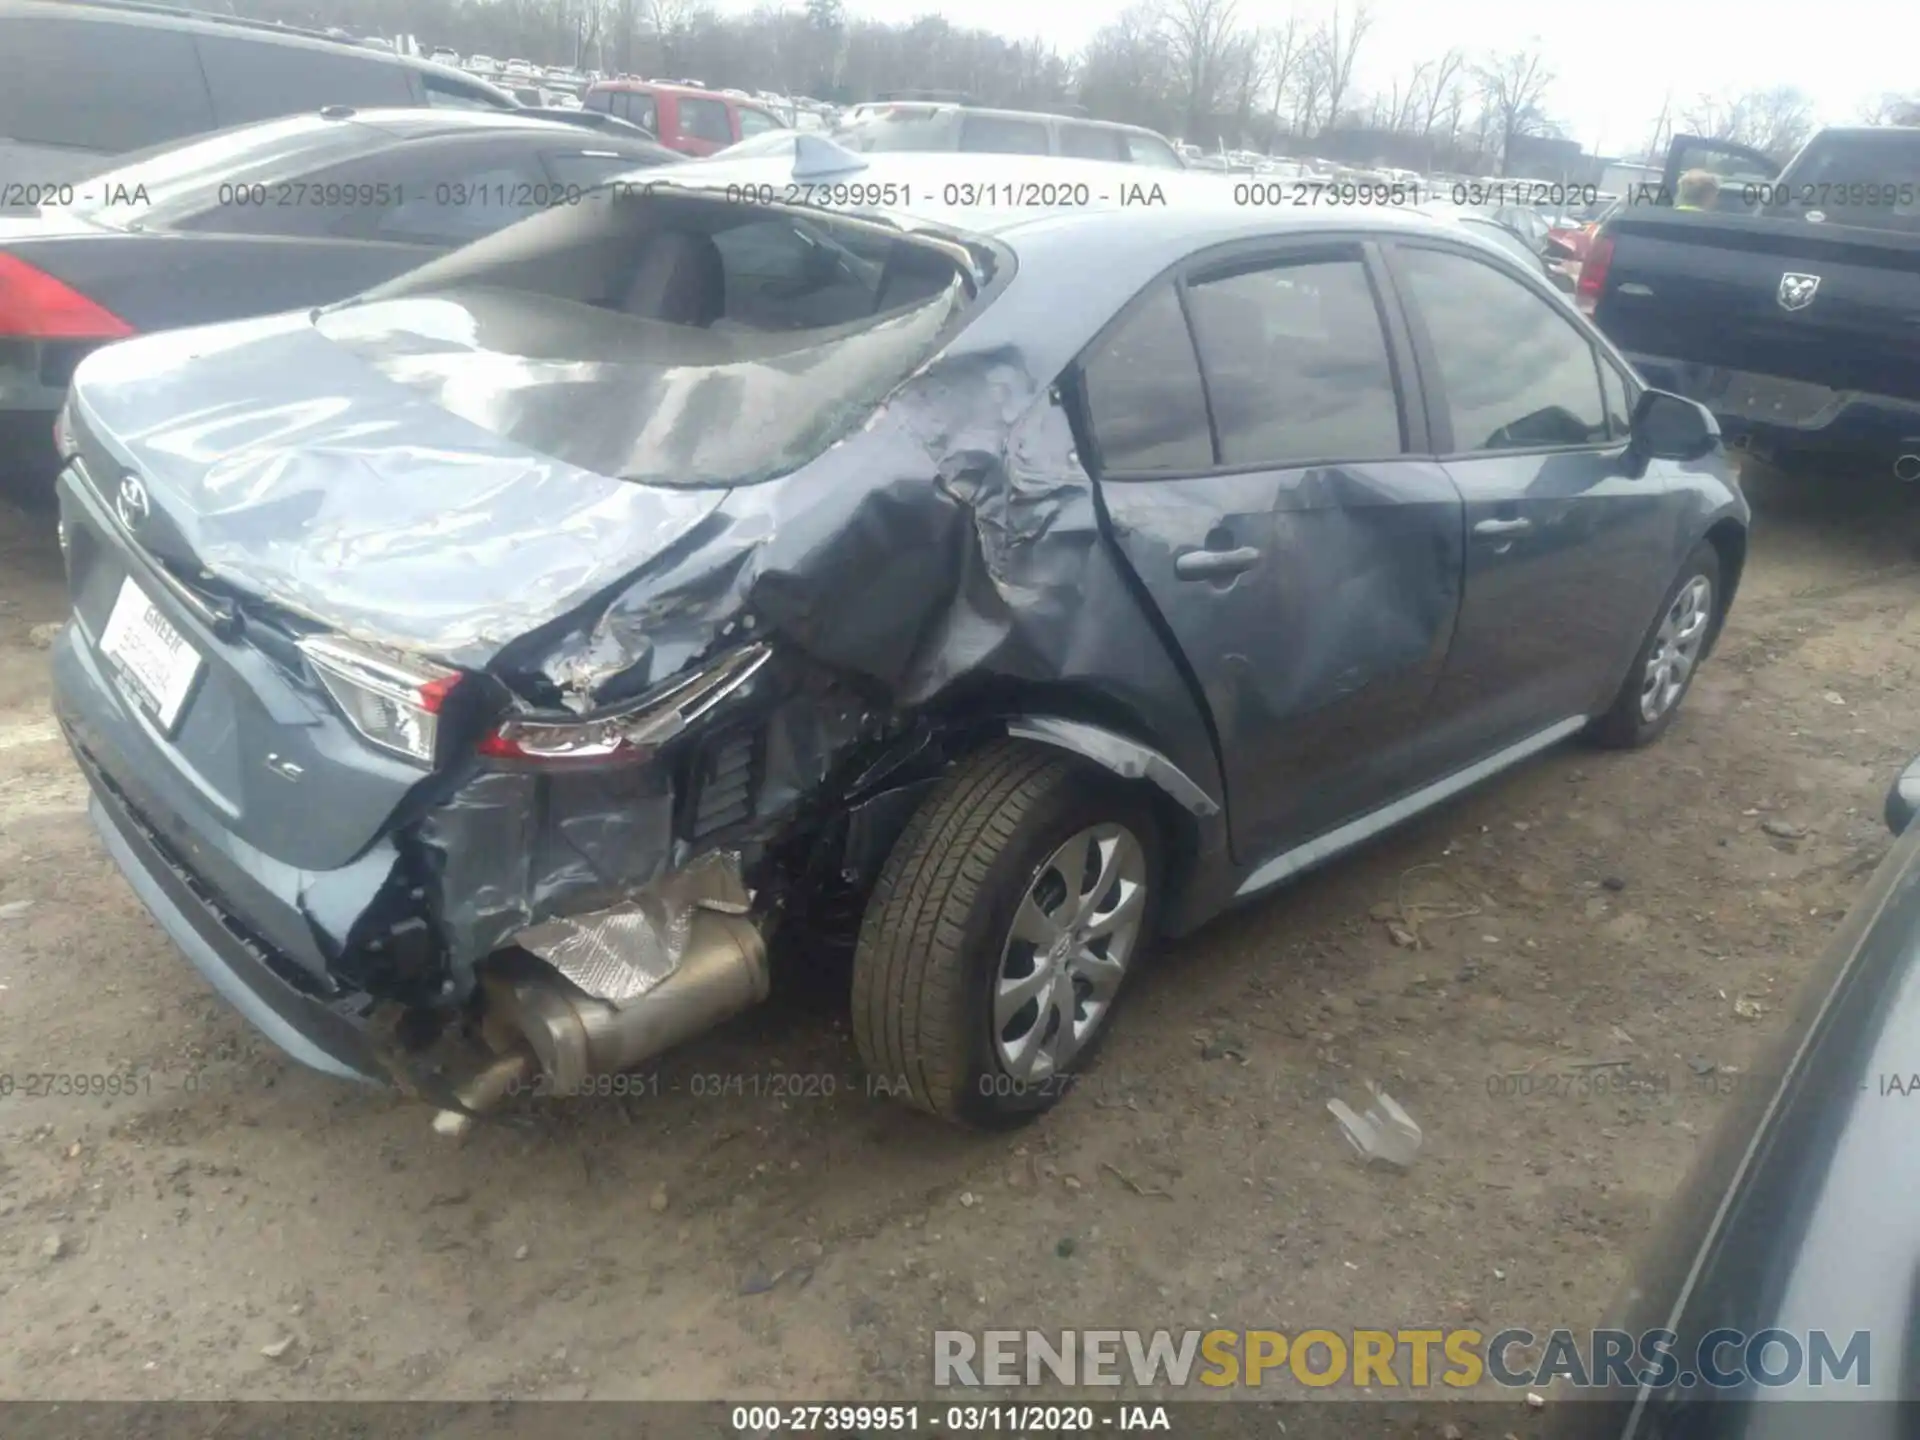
{"x": 1669, "y": 657}
{"x": 995, "y": 944}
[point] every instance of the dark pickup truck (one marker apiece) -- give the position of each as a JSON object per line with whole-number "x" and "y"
{"x": 1791, "y": 308}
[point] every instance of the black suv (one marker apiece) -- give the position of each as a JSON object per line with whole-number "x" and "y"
{"x": 95, "y": 79}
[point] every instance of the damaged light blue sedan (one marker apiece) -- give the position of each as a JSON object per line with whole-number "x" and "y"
{"x": 488, "y": 679}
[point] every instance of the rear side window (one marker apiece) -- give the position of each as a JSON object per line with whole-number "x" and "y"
{"x": 1613, "y": 389}
{"x": 1296, "y": 364}
{"x": 757, "y": 122}
{"x": 601, "y": 100}
{"x": 1002, "y": 135}
{"x": 639, "y": 108}
{"x": 1151, "y": 150}
{"x": 1516, "y": 373}
{"x": 99, "y": 85}
{"x": 252, "y": 80}
{"x": 704, "y": 120}
{"x": 1867, "y": 180}
{"x": 1093, "y": 142}
{"x": 1144, "y": 399}
{"x": 582, "y": 170}
{"x": 445, "y": 93}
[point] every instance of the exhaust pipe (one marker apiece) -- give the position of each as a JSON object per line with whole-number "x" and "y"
{"x": 574, "y": 1037}
{"x": 1907, "y": 468}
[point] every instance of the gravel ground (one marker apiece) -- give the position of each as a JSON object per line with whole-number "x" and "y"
{"x": 241, "y": 1228}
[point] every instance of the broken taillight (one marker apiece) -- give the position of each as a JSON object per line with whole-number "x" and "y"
{"x": 630, "y": 734}
{"x": 36, "y": 306}
{"x": 393, "y": 702}
{"x": 1593, "y": 273}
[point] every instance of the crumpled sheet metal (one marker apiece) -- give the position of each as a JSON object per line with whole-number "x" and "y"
{"x": 382, "y": 515}
{"x": 955, "y": 538}
{"x": 620, "y": 954}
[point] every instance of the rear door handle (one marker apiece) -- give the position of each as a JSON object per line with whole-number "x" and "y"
{"x": 1503, "y": 527}
{"x": 1213, "y": 564}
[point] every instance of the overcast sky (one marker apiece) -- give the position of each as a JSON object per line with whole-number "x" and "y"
{"x": 1615, "y": 60}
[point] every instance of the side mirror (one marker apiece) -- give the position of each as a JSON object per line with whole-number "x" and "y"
{"x": 1671, "y": 427}
{"x": 1903, "y": 799}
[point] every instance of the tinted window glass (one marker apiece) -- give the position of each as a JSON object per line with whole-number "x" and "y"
{"x": 1092, "y": 142}
{"x": 1151, "y": 150}
{"x": 231, "y": 180}
{"x": 449, "y": 94}
{"x": 99, "y": 85}
{"x": 251, "y": 80}
{"x": 1619, "y": 408}
{"x": 1517, "y": 374}
{"x": 704, "y": 120}
{"x": 599, "y": 100}
{"x": 1869, "y": 180}
{"x": 587, "y": 169}
{"x": 757, "y": 122}
{"x": 1296, "y": 364}
{"x": 640, "y": 109}
{"x": 449, "y": 201}
{"x": 783, "y": 275}
{"x": 998, "y": 135}
{"x": 1144, "y": 398}
{"x": 903, "y": 129}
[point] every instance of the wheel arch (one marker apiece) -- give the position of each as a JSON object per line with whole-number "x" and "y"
{"x": 1729, "y": 540}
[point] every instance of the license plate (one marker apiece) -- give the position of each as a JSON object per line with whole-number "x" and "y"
{"x": 155, "y": 663}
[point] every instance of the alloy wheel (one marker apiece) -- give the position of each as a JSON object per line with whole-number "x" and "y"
{"x": 1676, "y": 648}
{"x": 1067, "y": 953}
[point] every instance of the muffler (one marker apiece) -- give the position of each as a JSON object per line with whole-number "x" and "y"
{"x": 1907, "y": 468}
{"x": 575, "y": 1037}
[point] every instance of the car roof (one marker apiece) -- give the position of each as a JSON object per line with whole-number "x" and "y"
{"x": 667, "y": 88}
{"x": 416, "y": 121}
{"x": 202, "y": 22}
{"x": 936, "y": 186}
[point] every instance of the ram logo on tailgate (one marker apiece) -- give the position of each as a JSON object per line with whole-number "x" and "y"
{"x": 1796, "y": 291}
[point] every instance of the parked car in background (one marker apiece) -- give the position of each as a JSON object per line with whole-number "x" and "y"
{"x": 617, "y": 693}
{"x": 916, "y": 125}
{"x": 442, "y": 55}
{"x": 288, "y": 213}
{"x": 1791, "y": 308}
{"x": 689, "y": 120}
{"x": 1780, "y": 1228}
{"x": 483, "y": 65}
{"x": 593, "y": 120}
{"x": 89, "y": 80}
{"x": 521, "y": 68}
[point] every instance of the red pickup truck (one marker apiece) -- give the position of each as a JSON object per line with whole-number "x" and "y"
{"x": 682, "y": 117}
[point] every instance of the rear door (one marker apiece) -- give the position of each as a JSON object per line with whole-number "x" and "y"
{"x": 259, "y": 80}
{"x": 1565, "y": 551}
{"x": 703, "y": 124}
{"x": 82, "y": 87}
{"x": 1261, "y": 468}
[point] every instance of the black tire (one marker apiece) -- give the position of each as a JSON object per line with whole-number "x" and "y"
{"x": 1624, "y": 726}
{"x": 931, "y": 942}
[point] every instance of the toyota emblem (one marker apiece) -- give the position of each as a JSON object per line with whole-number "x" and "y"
{"x": 130, "y": 503}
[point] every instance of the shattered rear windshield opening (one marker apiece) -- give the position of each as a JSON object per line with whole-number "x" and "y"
{"x": 664, "y": 339}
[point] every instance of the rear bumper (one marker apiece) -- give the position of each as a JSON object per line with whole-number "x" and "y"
{"x": 219, "y": 907}
{"x": 1776, "y": 413}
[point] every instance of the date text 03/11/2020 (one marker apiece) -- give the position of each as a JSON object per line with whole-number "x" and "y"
{"x": 978, "y": 1419}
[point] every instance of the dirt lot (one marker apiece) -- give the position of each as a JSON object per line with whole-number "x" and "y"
{"x": 721, "y": 1240}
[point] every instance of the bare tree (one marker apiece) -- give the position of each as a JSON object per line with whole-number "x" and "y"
{"x": 1332, "y": 51}
{"x": 1282, "y": 44}
{"x": 1513, "y": 86}
{"x": 1404, "y": 100}
{"x": 1199, "y": 33}
{"x": 1440, "y": 84}
{"x": 1892, "y": 109}
{"x": 1777, "y": 121}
